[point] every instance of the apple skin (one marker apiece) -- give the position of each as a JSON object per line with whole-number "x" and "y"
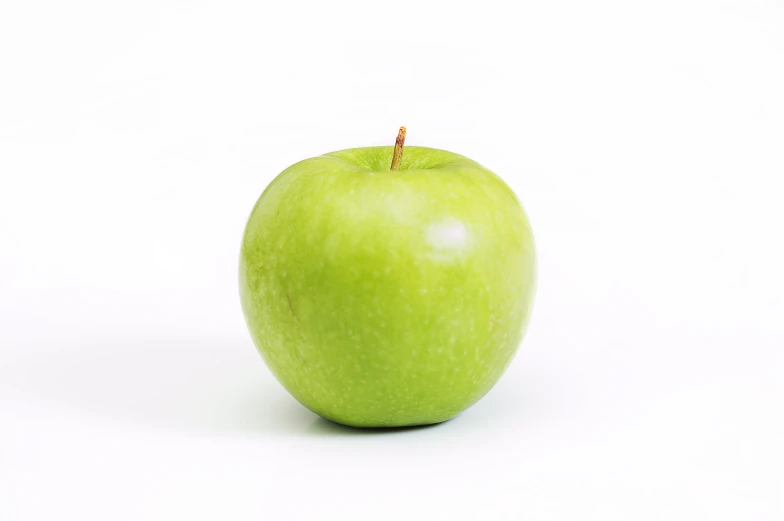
{"x": 386, "y": 298}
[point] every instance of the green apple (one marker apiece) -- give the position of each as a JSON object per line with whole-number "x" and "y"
{"x": 381, "y": 296}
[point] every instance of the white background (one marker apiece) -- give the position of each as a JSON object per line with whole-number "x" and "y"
{"x": 646, "y": 140}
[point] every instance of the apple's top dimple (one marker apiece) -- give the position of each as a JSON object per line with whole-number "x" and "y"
{"x": 377, "y": 159}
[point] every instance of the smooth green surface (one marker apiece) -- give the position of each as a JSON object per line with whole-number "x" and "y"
{"x": 383, "y": 298}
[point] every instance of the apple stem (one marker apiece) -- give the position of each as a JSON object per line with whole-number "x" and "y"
{"x": 397, "y": 155}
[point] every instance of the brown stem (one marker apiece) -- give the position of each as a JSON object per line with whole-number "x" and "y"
{"x": 397, "y": 155}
